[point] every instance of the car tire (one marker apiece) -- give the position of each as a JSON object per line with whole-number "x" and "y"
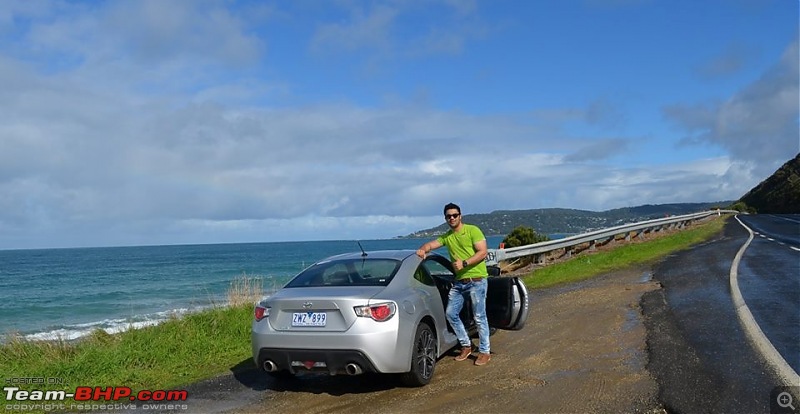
{"x": 423, "y": 358}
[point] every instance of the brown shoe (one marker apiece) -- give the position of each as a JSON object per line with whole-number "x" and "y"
{"x": 483, "y": 359}
{"x": 465, "y": 353}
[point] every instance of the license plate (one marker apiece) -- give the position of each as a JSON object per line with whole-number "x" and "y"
{"x": 309, "y": 319}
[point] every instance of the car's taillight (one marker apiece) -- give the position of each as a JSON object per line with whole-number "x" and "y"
{"x": 261, "y": 312}
{"x": 381, "y": 312}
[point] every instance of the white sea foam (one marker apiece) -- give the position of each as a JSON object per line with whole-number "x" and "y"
{"x": 111, "y": 326}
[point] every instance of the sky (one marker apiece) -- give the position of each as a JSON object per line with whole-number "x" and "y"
{"x": 150, "y": 122}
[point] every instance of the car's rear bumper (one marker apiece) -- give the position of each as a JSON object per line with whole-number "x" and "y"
{"x": 330, "y": 361}
{"x": 385, "y": 345}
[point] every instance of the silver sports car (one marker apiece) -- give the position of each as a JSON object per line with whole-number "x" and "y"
{"x": 380, "y": 311}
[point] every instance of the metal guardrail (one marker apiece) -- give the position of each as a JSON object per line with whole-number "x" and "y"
{"x": 630, "y": 230}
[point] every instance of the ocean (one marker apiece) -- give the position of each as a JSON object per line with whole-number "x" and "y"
{"x": 65, "y": 294}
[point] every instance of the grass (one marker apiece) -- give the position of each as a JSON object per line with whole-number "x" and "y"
{"x": 162, "y": 357}
{"x": 169, "y": 354}
{"x": 586, "y": 266}
{"x": 198, "y": 346}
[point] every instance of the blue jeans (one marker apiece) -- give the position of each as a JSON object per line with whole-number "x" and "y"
{"x": 455, "y": 301}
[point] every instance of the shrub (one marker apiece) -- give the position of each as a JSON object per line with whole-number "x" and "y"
{"x": 523, "y": 236}
{"x": 741, "y": 206}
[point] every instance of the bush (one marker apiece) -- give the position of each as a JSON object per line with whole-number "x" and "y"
{"x": 523, "y": 236}
{"x": 742, "y": 207}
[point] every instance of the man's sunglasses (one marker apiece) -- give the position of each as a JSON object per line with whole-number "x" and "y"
{"x": 451, "y": 216}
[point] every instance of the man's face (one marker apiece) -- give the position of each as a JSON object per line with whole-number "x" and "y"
{"x": 453, "y": 217}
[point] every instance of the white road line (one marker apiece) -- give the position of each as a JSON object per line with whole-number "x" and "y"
{"x": 769, "y": 238}
{"x": 751, "y": 328}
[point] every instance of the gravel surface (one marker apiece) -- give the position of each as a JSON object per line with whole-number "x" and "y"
{"x": 582, "y": 350}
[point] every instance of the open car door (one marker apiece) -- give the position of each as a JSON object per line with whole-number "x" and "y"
{"x": 507, "y": 303}
{"x": 506, "y": 297}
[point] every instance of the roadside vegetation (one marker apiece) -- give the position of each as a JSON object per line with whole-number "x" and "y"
{"x": 585, "y": 265}
{"x": 181, "y": 351}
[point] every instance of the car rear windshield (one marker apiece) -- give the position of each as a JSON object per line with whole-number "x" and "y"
{"x": 354, "y": 272}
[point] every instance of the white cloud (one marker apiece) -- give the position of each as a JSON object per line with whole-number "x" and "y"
{"x": 368, "y": 29}
{"x": 759, "y": 124}
{"x": 731, "y": 61}
{"x": 149, "y": 122}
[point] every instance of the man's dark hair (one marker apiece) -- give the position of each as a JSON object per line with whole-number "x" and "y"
{"x": 450, "y": 206}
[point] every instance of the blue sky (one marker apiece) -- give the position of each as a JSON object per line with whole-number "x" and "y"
{"x": 171, "y": 122}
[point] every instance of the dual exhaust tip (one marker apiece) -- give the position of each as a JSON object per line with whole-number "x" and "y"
{"x": 350, "y": 369}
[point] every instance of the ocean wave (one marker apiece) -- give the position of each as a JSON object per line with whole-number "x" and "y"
{"x": 112, "y": 326}
{"x": 71, "y": 332}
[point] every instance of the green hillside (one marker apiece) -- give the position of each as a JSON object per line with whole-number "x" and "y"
{"x": 570, "y": 221}
{"x": 778, "y": 194}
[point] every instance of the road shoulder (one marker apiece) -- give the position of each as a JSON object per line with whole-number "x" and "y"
{"x": 583, "y": 350}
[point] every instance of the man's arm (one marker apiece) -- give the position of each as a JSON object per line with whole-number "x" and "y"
{"x": 427, "y": 247}
{"x": 480, "y": 252}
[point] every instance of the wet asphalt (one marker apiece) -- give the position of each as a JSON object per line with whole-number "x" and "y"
{"x": 698, "y": 351}
{"x": 769, "y": 279}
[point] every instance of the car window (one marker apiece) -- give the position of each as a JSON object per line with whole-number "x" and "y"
{"x": 355, "y": 272}
{"x": 437, "y": 269}
{"x": 422, "y": 275}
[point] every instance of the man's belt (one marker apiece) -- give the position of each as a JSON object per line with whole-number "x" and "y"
{"x": 470, "y": 279}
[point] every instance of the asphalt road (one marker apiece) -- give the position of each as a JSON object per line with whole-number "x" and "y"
{"x": 769, "y": 279}
{"x": 699, "y": 353}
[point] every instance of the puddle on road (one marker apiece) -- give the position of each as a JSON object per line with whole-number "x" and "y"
{"x": 631, "y": 320}
{"x": 646, "y": 277}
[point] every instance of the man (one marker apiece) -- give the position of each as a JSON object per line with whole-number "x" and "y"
{"x": 467, "y": 247}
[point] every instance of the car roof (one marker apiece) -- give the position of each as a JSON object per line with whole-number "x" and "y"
{"x": 376, "y": 254}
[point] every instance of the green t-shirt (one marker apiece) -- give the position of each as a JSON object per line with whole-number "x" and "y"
{"x": 461, "y": 246}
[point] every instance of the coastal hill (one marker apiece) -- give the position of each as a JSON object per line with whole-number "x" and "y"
{"x": 778, "y": 194}
{"x": 569, "y": 221}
